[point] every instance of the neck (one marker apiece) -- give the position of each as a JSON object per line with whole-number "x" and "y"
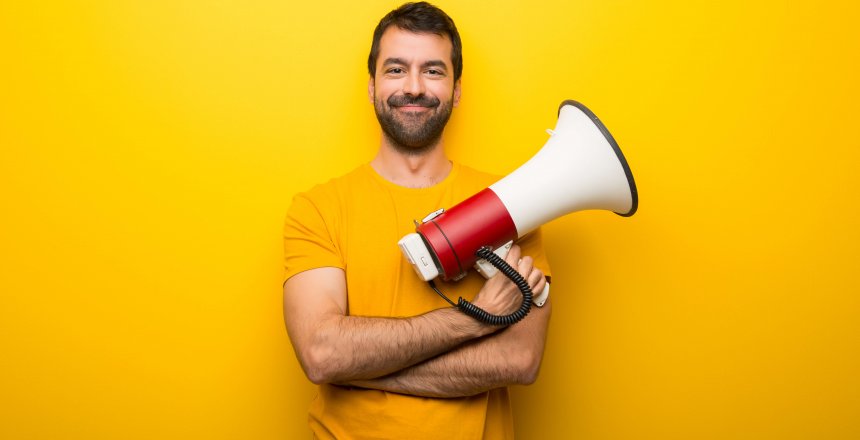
{"x": 412, "y": 171}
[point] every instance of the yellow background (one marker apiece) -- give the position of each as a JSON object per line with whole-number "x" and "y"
{"x": 149, "y": 150}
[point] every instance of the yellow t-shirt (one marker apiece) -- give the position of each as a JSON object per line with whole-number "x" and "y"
{"x": 354, "y": 222}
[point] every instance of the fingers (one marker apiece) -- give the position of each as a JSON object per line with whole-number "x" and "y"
{"x": 534, "y": 276}
{"x": 525, "y": 266}
{"x": 536, "y": 281}
{"x": 513, "y": 256}
{"x": 501, "y": 296}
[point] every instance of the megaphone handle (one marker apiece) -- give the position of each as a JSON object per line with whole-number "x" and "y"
{"x": 488, "y": 270}
{"x": 481, "y": 314}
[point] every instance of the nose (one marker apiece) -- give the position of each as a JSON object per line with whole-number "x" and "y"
{"x": 413, "y": 84}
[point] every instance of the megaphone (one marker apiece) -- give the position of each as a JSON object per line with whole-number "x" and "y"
{"x": 580, "y": 167}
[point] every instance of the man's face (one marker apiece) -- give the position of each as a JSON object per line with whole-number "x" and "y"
{"x": 413, "y": 91}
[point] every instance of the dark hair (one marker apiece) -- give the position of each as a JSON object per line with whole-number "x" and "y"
{"x": 421, "y": 17}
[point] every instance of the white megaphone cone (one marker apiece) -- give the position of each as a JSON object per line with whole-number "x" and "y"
{"x": 580, "y": 167}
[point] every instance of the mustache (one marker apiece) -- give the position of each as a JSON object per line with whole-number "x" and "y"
{"x": 421, "y": 101}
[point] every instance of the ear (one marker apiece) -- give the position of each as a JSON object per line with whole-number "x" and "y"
{"x": 371, "y": 88}
{"x": 456, "y": 93}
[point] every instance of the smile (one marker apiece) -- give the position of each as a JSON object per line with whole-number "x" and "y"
{"x": 412, "y": 108}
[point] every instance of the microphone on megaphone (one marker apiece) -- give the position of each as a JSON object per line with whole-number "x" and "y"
{"x": 580, "y": 167}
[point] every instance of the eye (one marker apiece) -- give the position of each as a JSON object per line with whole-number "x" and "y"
{"x": 395, "y": 70}
{"x": 435, "y": 72}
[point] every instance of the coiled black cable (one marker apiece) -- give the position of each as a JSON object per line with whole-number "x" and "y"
{"x": 481, "y": 314}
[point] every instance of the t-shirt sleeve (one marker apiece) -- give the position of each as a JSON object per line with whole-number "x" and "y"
{"x": 532, "y": 245}
{"x": 308, "y": 242}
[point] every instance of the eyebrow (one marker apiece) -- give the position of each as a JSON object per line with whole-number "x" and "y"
{"x": 424, "y": 65}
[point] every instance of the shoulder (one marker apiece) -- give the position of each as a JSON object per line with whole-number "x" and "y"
{"x": 326, "y": 203}
{"x": 337, "y": 189}
{"x": 473, "y": 177}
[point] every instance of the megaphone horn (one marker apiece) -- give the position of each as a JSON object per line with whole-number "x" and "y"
{"x": 580, "y": 167}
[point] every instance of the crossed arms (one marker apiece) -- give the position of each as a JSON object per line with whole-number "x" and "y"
{"x": 442, "y": 353}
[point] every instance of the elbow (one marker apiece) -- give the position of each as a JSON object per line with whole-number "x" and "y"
{"x": 316, "y": 363}
{"x": 528, "y": 367}
{"x": 316, "y": 375}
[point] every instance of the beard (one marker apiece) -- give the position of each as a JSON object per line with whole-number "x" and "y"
{"x": 413, "y": 133}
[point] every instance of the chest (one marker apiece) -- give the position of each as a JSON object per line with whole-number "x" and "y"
{"x": 380, "y": 282}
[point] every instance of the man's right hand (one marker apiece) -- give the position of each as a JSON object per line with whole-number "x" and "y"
{"x": 500, "y": 296}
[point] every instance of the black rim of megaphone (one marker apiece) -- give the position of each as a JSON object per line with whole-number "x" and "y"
{"x": 633, "y": 194}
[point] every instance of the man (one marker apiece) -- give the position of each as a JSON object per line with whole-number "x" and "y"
{"x": 391, "y": 358}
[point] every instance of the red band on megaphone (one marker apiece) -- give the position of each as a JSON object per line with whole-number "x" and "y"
{"x": 454, "y": 236}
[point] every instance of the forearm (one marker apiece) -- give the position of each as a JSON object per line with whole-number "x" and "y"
{"x": 510, "y": 357}
{"x": 335, "y": 347}
{"x": 354, "y": 347}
